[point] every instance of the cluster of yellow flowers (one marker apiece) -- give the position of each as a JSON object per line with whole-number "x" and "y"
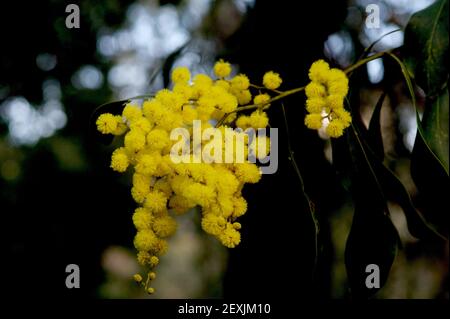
{"x": 163, "y": 188}
{"x": 325, "y": 99}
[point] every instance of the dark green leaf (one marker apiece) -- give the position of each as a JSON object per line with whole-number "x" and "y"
{"x": 431, "y": 178}
{"x": 395, "y": 191}
{"x": 374, "y": 137}
{"x": 373, "y": 239}
{"x": 426, "y": 46}
{"x": 168, "y": 63}
{"x": 435, "y": 126}
{"x": 393, "y": 188}
{"x": 429, "y": 172}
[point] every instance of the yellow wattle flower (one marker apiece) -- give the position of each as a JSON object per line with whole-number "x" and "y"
{"x": 325, "y": 99}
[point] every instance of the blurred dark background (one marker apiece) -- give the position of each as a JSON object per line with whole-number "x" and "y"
{"x": 61, "y": 203}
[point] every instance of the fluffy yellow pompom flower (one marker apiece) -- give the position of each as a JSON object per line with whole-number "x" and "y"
{"x": 139, "y": 193}
{"x": 242, "y": 121}
{"x": 213, "y": 224}
{"x": 224, "y": 84}
{"x": 157, "y": 139}
{"x": 244, "y": 97}
{"x": 183, "y": 91}
{"x": 119, "y": 160}
{"x": 222, "y": 69}
{"x": 169, "y": 100}
{"x": 319, "y": 71}
{"x": 180, "y": 204}
{"x": 313, "y": 121}
{"x": 145, "y": 240}
{"x": 199, "y": 193}
{"x": 325, "y": 99}
{"x": 163, "y": 185}
{"x": 335, "y": 101}
{"x": 240, "y": 207}
{"x": 337, "y": 82}
{"x": 134, "y": 140}
{"x": 189, "y": 114}
{"x": 164, "y": 226}
{"x": 335, "y": 128}
{"x": 107, "y": 123}
{"x": 155, "y": 201}
{"x": 154, "y": 261}
{"x": 227, "y": 102}
{"x": 258, "y": 119}
{"x": 240, "y": 82}
{"x": 141, "y": 124}
{"x": 181, "y": 74}
{"x": 137, "y": 278}
{"x": 147, "y": 164}
{"x": 315, "y": 105}
{"x": 344, "y": 116}
{"x": 230, "y": 237}
{"x": 131, "y": 112}
{"x": 121, "y": 126}
{"x": 202, "y": 83}
{"x": 315, "y": 90}
{"x": 142, "y": 219}
{"x": 161, "y": 247}
{"x": 141, "y": 187}
{"x": 272, "y": 80}
{"x": 143, "y": 258}
{"x": 247, "y": 172}
{"x": 262, "y": 99}
{"x": 153, "y": 110}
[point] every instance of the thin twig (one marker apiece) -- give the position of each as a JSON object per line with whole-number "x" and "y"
{"x": 302, "y": 186}
{"x": 259, "y": 87}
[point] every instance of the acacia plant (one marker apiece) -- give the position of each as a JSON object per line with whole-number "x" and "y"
{"x": 164, "y": 188}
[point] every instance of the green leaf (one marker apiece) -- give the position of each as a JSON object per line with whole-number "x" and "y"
{"x": 435, "y": 126}
{"x": 431, "y": 179}
{"x": 168, "y": 64}
{"x": 426, "y": 46}
{"x": 393, "y": 188}
{"x": 373, "y": 238}
{"x": 395, "y": 191}
{"x": 428, "y": 170}
{"x": 374, "y": 132}
{"x": 421, "y": 139}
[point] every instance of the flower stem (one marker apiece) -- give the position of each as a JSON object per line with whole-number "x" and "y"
{"x": 364, "y": 61}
